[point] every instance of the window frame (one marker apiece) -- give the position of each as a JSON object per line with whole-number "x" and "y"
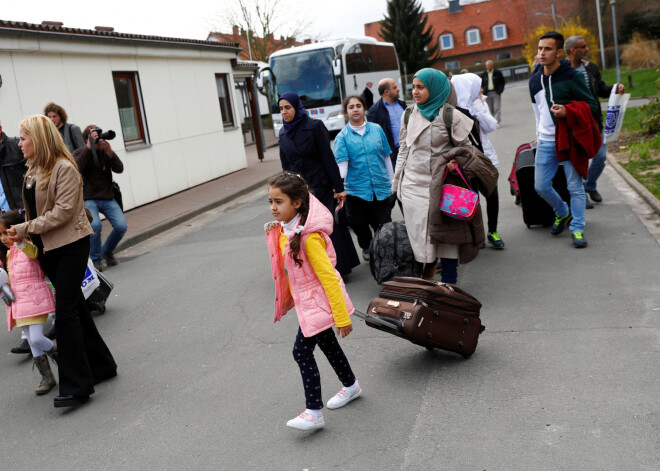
{"x": 451, "y": 39}
{"x": 141, "y": 120}
{"x": 505, "y": 30}
{"x": 467, "y": 36}
{"x": 231, "y": 123}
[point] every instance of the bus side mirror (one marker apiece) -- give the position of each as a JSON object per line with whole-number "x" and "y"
{"x": 263, "y": 77}
{"x": 336, "y": 67}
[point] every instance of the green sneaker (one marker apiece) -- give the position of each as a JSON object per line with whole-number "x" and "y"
{"x": 560, "y": 224}
{"x": 579, "y": 242}
{"x": 495, "y": 240}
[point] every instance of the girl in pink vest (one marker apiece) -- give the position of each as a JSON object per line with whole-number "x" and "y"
{"x": 303, "y": 266}
{"x": 34, "y": 298}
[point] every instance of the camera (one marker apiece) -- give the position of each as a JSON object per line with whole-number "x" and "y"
{"x": 104, "y": 135}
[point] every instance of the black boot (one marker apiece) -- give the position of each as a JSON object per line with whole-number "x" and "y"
{"x": 22, "y": 347}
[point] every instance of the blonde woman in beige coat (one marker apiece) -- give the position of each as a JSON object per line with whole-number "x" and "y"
{"x": 57, "y": 223}
{"x": 422, "y": 140}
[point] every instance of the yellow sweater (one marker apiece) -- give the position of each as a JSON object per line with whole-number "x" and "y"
{"x": 318, "y": 257}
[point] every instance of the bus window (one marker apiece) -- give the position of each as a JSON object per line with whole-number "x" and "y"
{"x": 364, "y": 58}
{"x": 309, "y": 74}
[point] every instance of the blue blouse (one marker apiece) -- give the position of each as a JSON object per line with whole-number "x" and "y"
{"x": 366, "y": 154}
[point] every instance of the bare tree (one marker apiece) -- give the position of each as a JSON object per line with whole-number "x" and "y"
{"x": 260, "y": 20}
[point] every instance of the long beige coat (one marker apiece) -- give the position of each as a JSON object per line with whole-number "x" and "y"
{"x": 421, "y": 142}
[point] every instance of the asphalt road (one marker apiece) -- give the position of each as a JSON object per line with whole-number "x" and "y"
{"x": 565, "y": 377}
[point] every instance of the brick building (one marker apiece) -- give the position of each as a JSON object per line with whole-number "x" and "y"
{"x": 474, "y": 33}
{"x": 240, "y": 37}
{"x": 495, "y": 29}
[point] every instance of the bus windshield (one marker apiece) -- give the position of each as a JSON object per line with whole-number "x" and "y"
{"x": 309, "y": 74}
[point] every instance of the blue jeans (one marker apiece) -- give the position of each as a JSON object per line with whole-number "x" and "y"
{"x": 596, "y": 168}
{"x": 111, "y": 210}
{"x": 545, "y": 170}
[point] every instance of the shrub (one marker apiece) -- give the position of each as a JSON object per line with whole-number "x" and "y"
{"x": 651, "y": 124}
{"x": 644, "y": 22}
{"x": 573, "y": 27}
{"x": 641, "y": 54}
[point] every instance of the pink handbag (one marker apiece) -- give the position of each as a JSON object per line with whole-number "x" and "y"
{"x": 457, "y": 202}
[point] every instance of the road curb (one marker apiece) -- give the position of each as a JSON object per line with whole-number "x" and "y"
{"x": 645, "y": 194}
{"x": 181, "y": 218}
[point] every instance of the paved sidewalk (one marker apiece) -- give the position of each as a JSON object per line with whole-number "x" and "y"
{"x": 151, "y": 219}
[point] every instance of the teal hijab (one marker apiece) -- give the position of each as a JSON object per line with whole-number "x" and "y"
{"x": 438, "y": 86}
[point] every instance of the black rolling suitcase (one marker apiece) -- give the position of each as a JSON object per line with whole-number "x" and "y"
{"x": 390, "y": 253}
{"x": 427, "y": 313}
{"x": 536, "y": 212}
{"x": 96, "y": 300}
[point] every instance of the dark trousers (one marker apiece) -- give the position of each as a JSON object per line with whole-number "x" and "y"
{"x": 303, "y": 353}
{"x": 493, "y": 210}
{"x": 83, "y": 357}
{"x": 393, "y": 156}
{"x": 363, "y": 214}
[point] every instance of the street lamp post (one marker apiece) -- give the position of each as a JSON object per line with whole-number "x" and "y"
{"x": 600, "y": 36}
{"x": 616, "y": 43}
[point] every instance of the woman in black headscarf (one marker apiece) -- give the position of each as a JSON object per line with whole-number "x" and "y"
{"x": 305, "y": 150}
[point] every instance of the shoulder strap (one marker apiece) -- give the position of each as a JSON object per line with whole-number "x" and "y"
{"x": 406, "y": 114}
{"x": 448, "y": 118}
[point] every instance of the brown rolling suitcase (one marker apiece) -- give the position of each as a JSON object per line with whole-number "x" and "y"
{"x": 428, "y": 313}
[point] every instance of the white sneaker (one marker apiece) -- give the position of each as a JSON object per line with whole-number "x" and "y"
{"x": 306, "y": 421}
{"x": 344, "y": 396}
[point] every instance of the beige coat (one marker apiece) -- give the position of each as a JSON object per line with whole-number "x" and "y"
{"x": 61, "y": 217}
{"x": 422, "y": 142}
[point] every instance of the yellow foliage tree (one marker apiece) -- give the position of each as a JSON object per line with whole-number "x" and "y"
{"x": 572, "y": 27}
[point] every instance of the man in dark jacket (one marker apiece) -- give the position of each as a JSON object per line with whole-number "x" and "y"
{"x": 12, "y": 172}
{"x": 387, "y": 113}
{"x": 576, "y": 52}
{"x": 368, "y": 95}
{"x": 99, "y": 195}
{"x": 492, "y": 82}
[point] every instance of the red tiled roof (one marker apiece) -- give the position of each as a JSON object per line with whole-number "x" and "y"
{"x": 107, "y": 32}
{"x": 482, "y": 16}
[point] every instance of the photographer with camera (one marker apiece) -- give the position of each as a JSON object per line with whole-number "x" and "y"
{"x": 96, "y": 162}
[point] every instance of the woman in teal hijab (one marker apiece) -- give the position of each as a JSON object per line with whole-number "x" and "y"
{"x": 424, "y": 140}
{"x": 433, "y": 94}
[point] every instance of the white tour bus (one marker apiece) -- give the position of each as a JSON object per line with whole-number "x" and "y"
{"x": 324, "y": 73}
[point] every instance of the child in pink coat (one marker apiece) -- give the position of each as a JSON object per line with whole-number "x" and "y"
{"x": 303, "y": 267}
{"x": 34, "y": 298}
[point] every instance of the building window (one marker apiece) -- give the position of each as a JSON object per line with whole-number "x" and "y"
{"x": 222, "y": 82}
{"x": 452, "y": 64}
{"x": 446, "y": 41}
{"x": 131, "y": 108}
{"x": 473, "y": 37}
{"x": 499, "y": 32}
{"x": 503, "y": 55}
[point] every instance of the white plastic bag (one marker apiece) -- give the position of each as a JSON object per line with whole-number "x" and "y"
{"x": 91, "y": 280}
{"x": 616, "y": 109}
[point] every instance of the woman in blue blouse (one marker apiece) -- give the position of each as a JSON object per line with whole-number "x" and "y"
{"x": 363, "y": 156}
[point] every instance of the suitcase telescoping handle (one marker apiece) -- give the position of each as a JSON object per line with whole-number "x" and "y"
{"x": 386, "y": 325}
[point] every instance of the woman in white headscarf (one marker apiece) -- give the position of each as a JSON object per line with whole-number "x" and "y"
{"x": 469, "y": 97}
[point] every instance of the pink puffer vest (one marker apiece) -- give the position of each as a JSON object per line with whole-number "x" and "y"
{"x": 306, "y": 291}
{"x": 33, "y": 295}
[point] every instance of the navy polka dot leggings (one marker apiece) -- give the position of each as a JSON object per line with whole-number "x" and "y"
{"x": 303, "y": 353}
